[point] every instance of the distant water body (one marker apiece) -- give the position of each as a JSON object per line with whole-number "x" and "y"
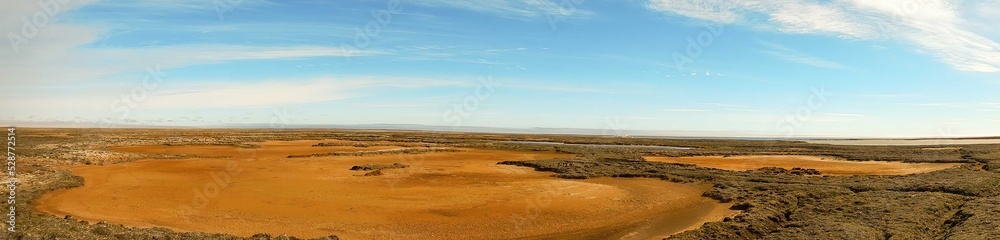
{"x": 905, "y": 142}
{"x": 602, "y": 145}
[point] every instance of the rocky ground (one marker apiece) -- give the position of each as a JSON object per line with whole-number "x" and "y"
{"x": 958, "y": 203}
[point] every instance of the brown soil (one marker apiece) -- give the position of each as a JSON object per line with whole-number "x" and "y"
{"x": 825, "y": 165}
{"x": 443, "y": 195}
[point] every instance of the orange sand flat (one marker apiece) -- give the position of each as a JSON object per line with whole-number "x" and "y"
{"x": 825, "y": 165}
{"x": 443, "y": 195}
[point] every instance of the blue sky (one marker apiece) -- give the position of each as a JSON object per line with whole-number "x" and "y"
{"x": 893, "y": 68}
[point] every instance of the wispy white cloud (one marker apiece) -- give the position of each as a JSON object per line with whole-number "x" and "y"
{"x": 182, "y": 55}
{"x": 728, "y": 13}
{"x": 685, "y": 110}
{"x": 890, "y": 95}
{"x": 452, "y": 54}
{"x": 200, "y": 6}
{"x": 559, "y": 88}
{"x": 937, "y": 27}
{"x": 192, "y": 95}
{"x": 944, "y": 105}
{"x": 277, "y": 93}
{"x": 809, "y": 17}
{"x": 985, "y": 15}
{"x": 13, "y": 11}
{"x": 796, "y": 56}
{"x": 748, "y": 110}
{"x": 513, "y": 8}
{"x": 60, "y": 52}
{"x": 402, "y": 105}
{"x": 55, "y": 63}
{"x": 735, "y": 107}
{"x": 841, "y": 118}
{"x": 844, "y": 114}
{"x": 531, "y": 84}
{"x": 990, "y": 107}
{"x": 725, "y": 105}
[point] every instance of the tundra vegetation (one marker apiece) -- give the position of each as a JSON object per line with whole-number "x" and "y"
{"x": 775, "y": 203}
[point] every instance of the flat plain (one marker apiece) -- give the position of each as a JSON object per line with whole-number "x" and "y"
{"x": 374, "y": 184}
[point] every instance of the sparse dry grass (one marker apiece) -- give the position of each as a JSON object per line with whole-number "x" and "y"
{"x": 957, "y": 203}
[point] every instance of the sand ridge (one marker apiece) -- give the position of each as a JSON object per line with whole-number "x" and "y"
{"x": 443, "y": 195}
{"x": 825, "y": 165}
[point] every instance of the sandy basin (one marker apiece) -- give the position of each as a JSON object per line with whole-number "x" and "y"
{"x": 443, "y": 195}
